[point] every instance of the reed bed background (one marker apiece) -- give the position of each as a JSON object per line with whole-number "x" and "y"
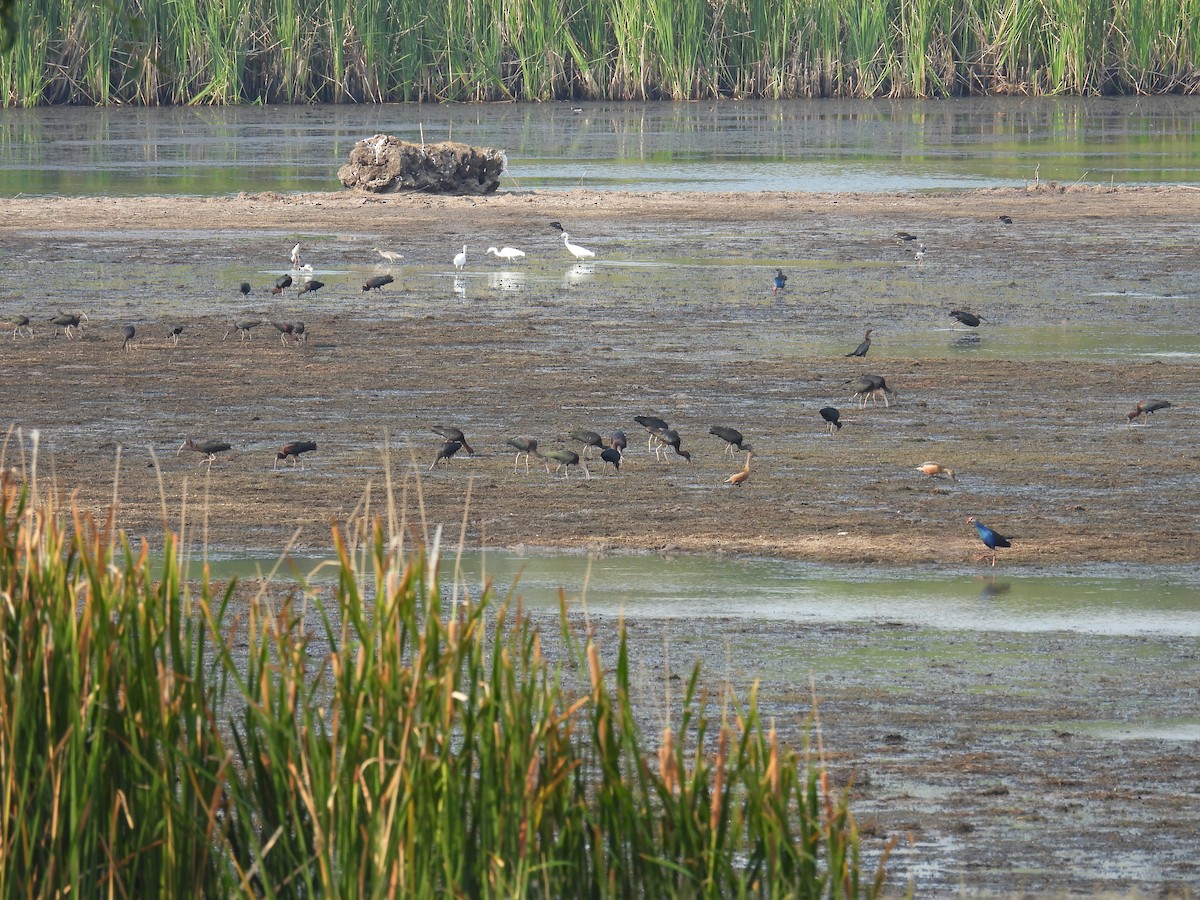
{"x": 299, "y": 51}
{"x": 161, "y": 737}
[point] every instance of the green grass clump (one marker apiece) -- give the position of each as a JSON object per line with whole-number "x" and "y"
{"x": 299, "y": 51}
{"x": 369, "y": 739}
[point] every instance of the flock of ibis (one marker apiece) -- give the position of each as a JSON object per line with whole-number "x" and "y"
{"x": 663, "y": 440}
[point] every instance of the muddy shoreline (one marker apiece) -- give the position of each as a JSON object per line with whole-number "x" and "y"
{"x": 985, "y": 748}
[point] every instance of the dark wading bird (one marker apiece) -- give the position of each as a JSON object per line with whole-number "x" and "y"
{"x": 668, "y": 437}
{"x": 861, "y": 349}
{"x": 589, "y": 439}
{"x": 744, "y": 474}
{"x": 446, "y": 451}
{"x": 210, "y": 449}
{"x": 20, "y": 324}
{"x": 290, "y": 330}
{"x": 612, "y": 455}
{"x": 870, "y": 387}
{"x": 1145, "y": 407}
{"x": 831, "y": 416}
{"x": 245, "y": 289}
{"x": 242, "y": 327}
{"x": 526, "y": 446}
{"x": 780, "y": 281}
{"x": 734, "y": 441}
{"x": 557, "y": 225}
{"x": 127, "y": 334}
{"x": 67, "y": 321}
{"x": 1004, "y": 220}
{"x": 650, "y": 423}
{"x": 618, "y": 441}
{"x": 450, "y": 433}
{"x": 310, "y": 286}
{"x": 294, "y": 449}
{"x": 282, "y": 283}
{"x": 564, "y": 459}
{"x": 991, "y": 539}
{"x": 173, "y": 334}
{"x": 966, "y": 318}
{"x": 376, "y": 282}
{"x": 904, "y": 236}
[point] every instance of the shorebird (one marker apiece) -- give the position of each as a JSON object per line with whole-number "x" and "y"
{"x": 575, "y": 250}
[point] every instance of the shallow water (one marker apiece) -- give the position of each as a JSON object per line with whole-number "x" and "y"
{"x": 1110, "y": 600}
{"x": 824, "y": 145}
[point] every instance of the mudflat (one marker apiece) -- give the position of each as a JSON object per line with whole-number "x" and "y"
{"x": 676, "y": 318}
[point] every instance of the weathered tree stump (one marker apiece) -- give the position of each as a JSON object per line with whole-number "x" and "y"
{"x": 384, "y": 164}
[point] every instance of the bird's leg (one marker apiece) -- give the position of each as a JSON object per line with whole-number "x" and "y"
{"x": 586, "y": 473}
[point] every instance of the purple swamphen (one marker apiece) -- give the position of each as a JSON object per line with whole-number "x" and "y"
{"x": 991, "y": 539}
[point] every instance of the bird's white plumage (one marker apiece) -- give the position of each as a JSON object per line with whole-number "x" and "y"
{"x": 509, "y": 253}
{"x": 390, "y": 255}
{"x": 460, "y": 259}
{"x": 575, "y": 250}
{"x": 296, "y": 255}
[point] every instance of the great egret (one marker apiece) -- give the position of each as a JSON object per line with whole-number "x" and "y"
{"x": 460, "y": 259}
{"x": 296, "y": 255}
{"x": 508, "y": 253}
{"x": 390, "y": 255}
{"x": 575, "y": 250}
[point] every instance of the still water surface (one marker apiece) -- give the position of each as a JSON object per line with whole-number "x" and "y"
{"x": 1113, "y": 600}
{"x": 825, "y": 145}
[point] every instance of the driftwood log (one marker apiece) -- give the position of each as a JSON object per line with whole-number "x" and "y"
{"x": 385, "y": 164}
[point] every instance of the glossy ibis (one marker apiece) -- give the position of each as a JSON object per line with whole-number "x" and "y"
{"x": 295, "y": 257}
{"x": 731, "y": 436}
{"x": 1145, "y": 407}
{"x": 991, "y": 539}
{"x": 127, "y": 334}
{"x": 282, "y": 283}
{"x": 966, "y": 318}
{"x": 376, "y": 282}
{"x": 289, "y": 330}
{"x": 450, "y": 433}
{"x": 575, "y": 250}
{"x": 933, "y": 470}
{"x": 870, "y": 387}
{"x": 245, "y": 289}
{"x": 67, "y": 321}
{"x": 589, "y": 439}
{"x": 299, "y": 332}
{"x": 210, "y": 449}
{"x": 557, "y": 225}
{"x": 744, "y": 474}
{"x": 564, "y": 459}
{"x": 309, "y": 286}
{"x": 780, "y": 281}
{"x": 242, "y": 327}
{"x": 612, "y": 455}
{"x": 832, "y": 417}
{"x": 650, "y": 423}
{"x": 294, "y": 449}
{"x": 446, "y": 451}
{"x": 506, "y": 253}
{"x": 1004, "y": 220}
{"x": 20, "y": 324}
{"x": 904, "y": 236}
{"x": 390, "y": 255}
{"x": 668, "y": 437}
{"x": 861, "y": 349}
{"x": 526, "y": 446}
{"x": 173, "y": 334}
{"x": 460, "y": 259}
{"x": 618, "y": 441}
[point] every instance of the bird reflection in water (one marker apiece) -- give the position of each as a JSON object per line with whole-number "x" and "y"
{"x": 460, "y": 285}
{"x": 966, "y": 342}
{"x": 993, "y": 588}
{"x": 578, "y": 273}
{"x": 506, "y": 281}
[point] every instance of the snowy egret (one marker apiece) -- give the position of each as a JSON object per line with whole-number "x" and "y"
{"x": 575, "y": 250}
{"x": 296, "y": 255}
{"x": 390, "y": 255}
{"x": 460, "y": 259}
{"x": 508, "y": 253}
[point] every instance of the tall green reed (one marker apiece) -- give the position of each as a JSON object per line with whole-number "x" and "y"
{"x": 370, "y": 738}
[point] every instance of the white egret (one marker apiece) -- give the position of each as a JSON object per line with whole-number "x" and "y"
{"x": 296, "y": 255}
{"x": 390, "y": 255}
{"x": 460, "y": 259}
{"x": 508, "y": 253}
{"x": 575, "y": 250}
